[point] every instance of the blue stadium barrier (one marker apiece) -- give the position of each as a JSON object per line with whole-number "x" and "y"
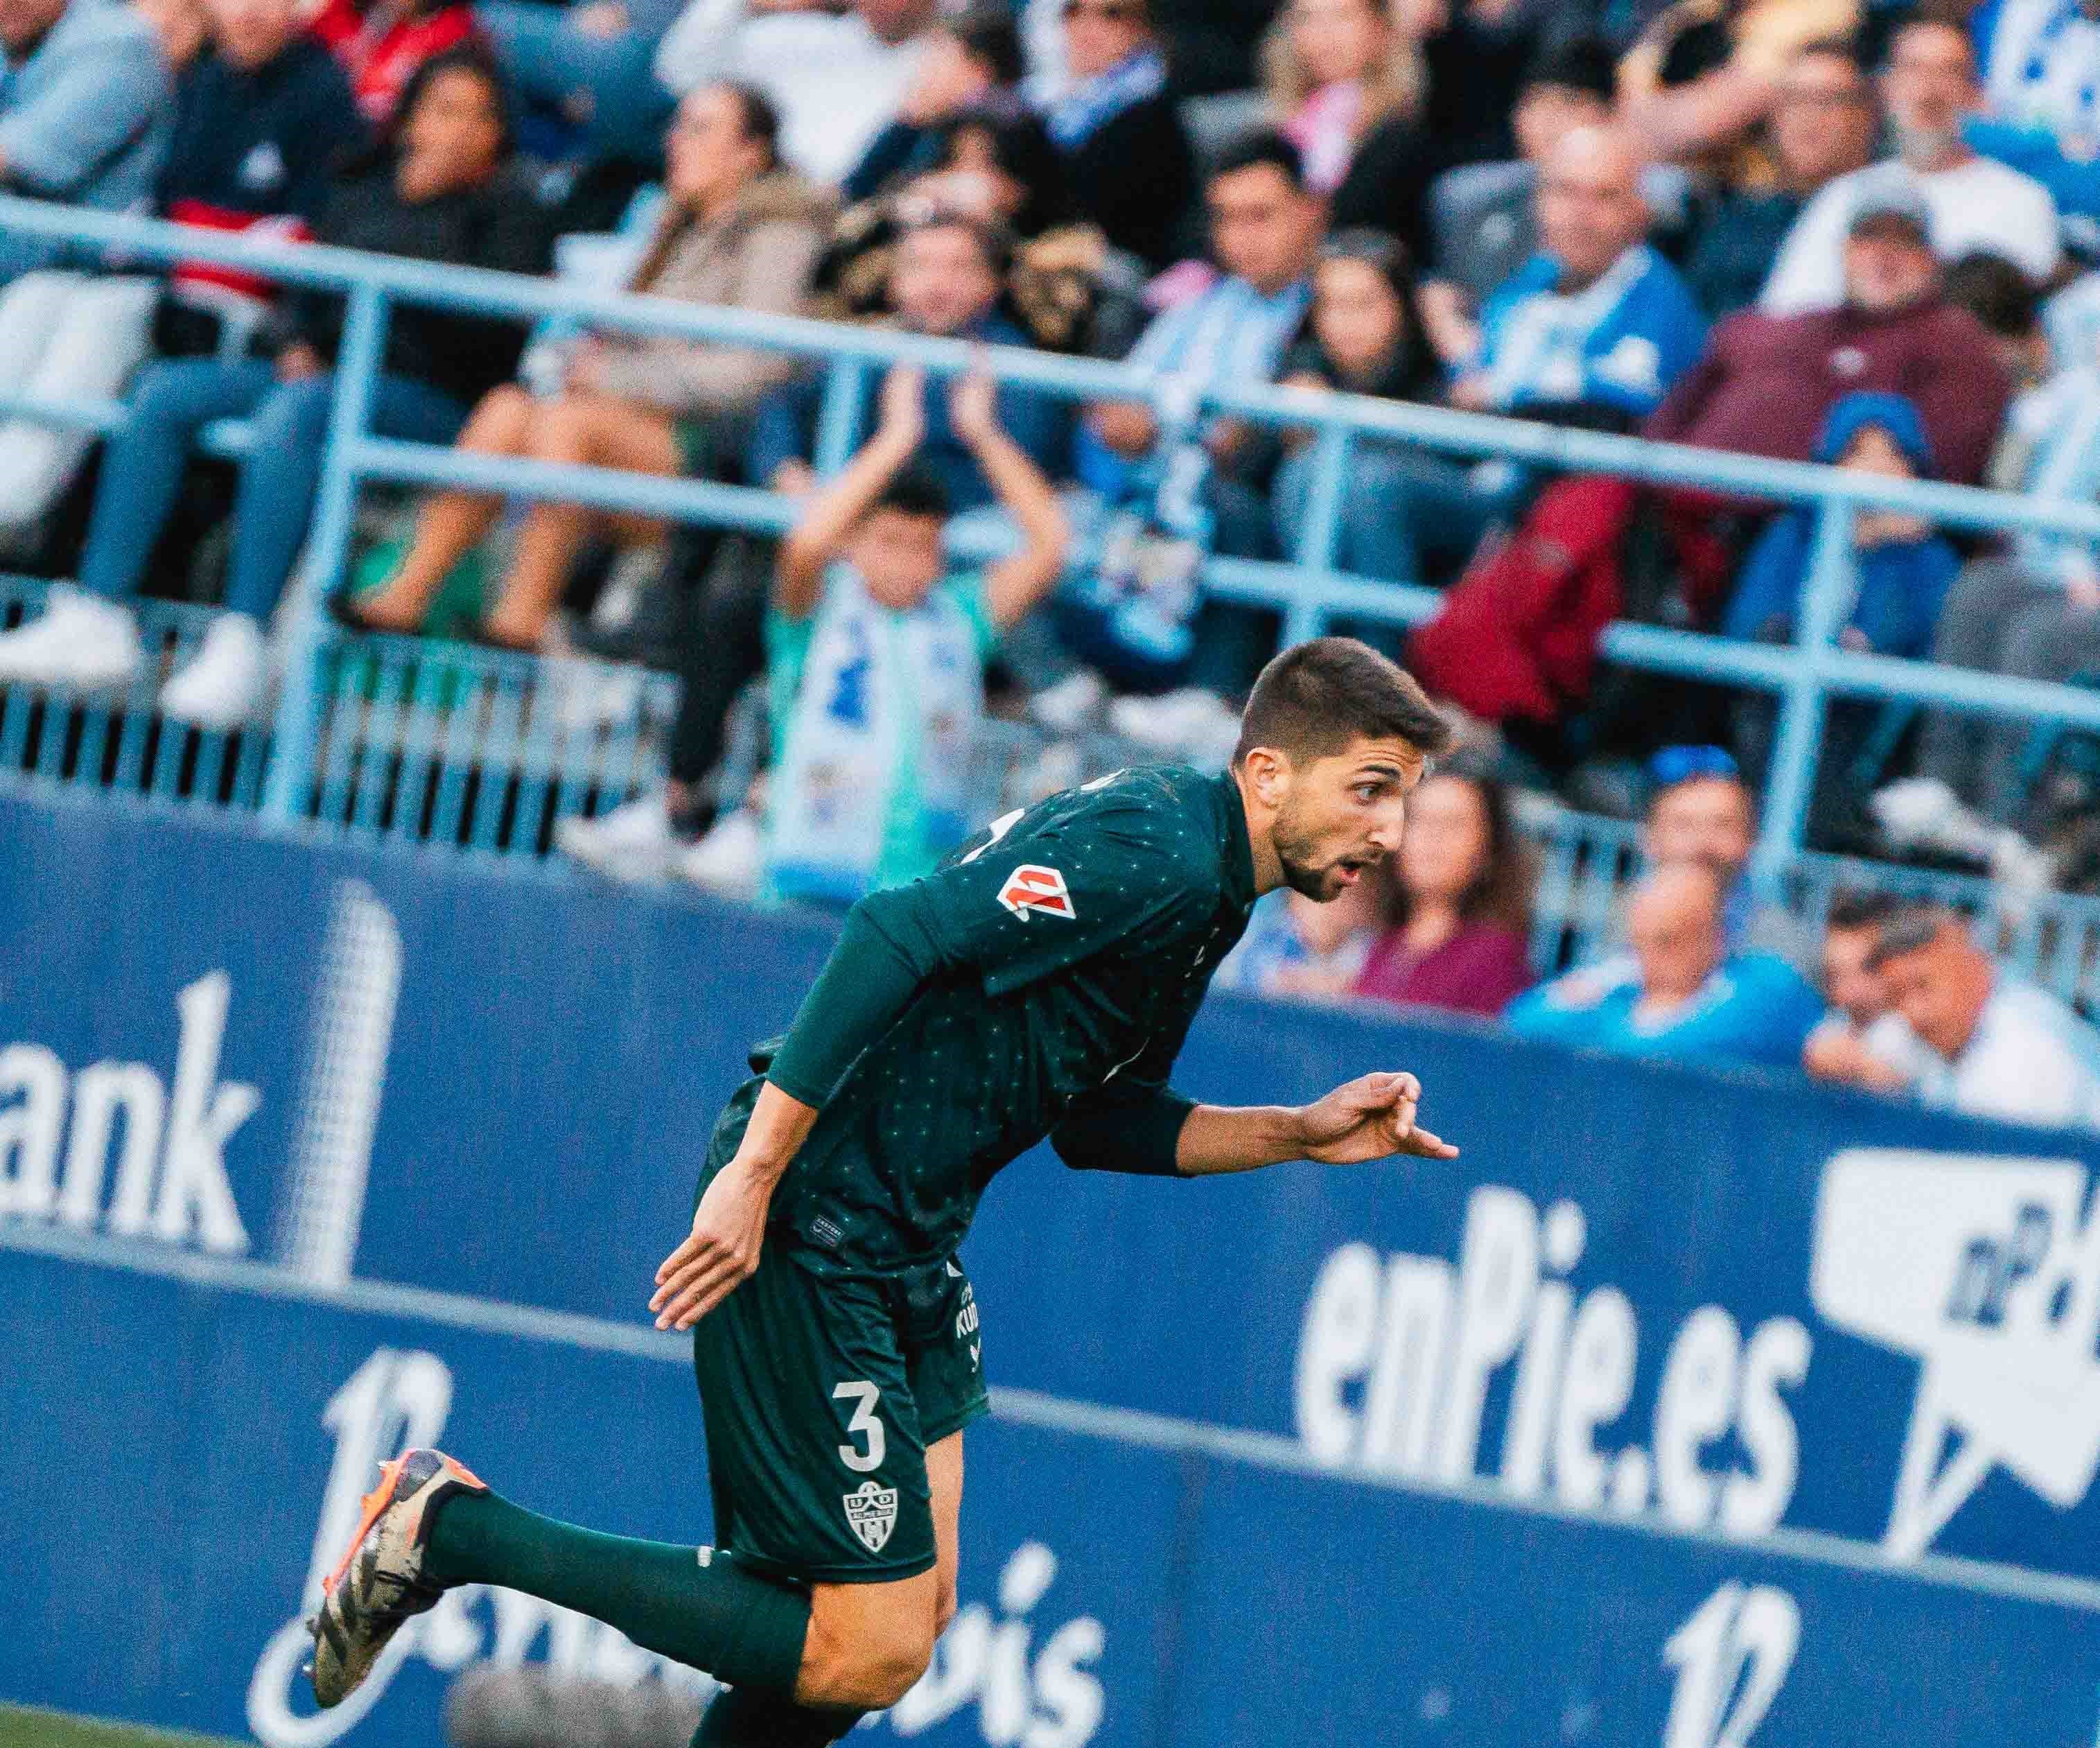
{"x": 1310, "y": 593}
{"x": 1784, "y": 1432}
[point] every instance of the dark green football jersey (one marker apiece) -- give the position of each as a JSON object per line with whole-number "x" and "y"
{"x": 1059, "y": 959}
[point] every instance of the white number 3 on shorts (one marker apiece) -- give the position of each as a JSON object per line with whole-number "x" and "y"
{"x": 864, "y": 1424}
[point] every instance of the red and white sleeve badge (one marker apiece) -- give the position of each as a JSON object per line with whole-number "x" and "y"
{"x": 1032, "y": 887}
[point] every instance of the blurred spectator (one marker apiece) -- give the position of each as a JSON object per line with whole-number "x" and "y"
{"x": 1460, "y": 917}
{"x": 1515, "y": 639}
{"x": 2008, "y": 306}
{"x": 876, "y": 657}
{"x": 2033, "y": 612}
{"x": 2040, "y": 62}
{"x": 1482, "y": 217}
{"x": 1766, "y": 384}
{"x": 972, "y": 66}
{"x": 180, "y": 28}
{"x": 447, "y": 192}
{"x": 2033, "y": 616}
{"x": 591, "y": 62}
{"x": 944, "y": 280}
{"x": 1349, "y": 85}
{"x": 2000, "y": 1046}
{"x": 738, "y": 228}
{"x": 1171, "y": 488}
{"x": 1861, "y": 1041}
{"x": 1700, "y": 809}
{"x": 85, "y": 112}
{"x": 1685, "y": 994}
{"x": 381, "y": 45}
{"x": 1473, "y": 53}
{"x": 1596, "y": 328}
{"x": 1297, "y": 946}
{"x": 995, "y": 168}
{"x": 837, "y": 79}
{"x": 1822, "y": 127}
{"x": 1971, "y": 202}
{"x": 263, "y": 123}
{"x": 1364, "y": 337}
{"x": 1904, "y": 568}
{"x": 260, "y": 122}
{"x": 1114, "y": 112}
{"x": 1705, "y": 73}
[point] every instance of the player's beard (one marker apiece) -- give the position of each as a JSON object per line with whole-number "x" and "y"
{"x": 1297, "y": 853}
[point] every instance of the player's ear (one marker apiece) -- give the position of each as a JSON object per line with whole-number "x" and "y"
{"x": 1268, "y": 774}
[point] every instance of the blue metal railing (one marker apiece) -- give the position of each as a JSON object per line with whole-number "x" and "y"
{"x": 1309, "y": 592}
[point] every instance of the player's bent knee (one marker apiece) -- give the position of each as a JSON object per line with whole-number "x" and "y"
{"x": 867, "y": 1657}
{"x": 870, "y": 1678}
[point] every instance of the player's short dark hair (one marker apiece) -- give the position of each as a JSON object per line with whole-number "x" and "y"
{"x": 1262, "y": 146}
{"x": 915, "y": 491}
{"x": 1861, "y": 909}
{"x": 1313, "y": 701}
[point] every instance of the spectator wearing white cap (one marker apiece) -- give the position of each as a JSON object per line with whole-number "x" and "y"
{"x": 1970, "y": 203}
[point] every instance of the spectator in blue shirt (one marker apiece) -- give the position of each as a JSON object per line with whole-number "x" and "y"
{"x": 85, "y": 112}
{"x": 1684, "y": 997}
{"x": 945, "y": 281}
{"x": 1172, "y": 485}
{"x": 1595, "y": 329}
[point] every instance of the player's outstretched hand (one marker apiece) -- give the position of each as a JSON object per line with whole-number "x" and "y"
{"x": 1370, "y": 1118}
{"x": 719, "y": 1255}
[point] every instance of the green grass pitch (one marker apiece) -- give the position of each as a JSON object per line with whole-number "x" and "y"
{"x": 19, "y": 1729}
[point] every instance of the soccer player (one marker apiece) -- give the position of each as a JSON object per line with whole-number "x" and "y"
{"x": 1040, "y": 984}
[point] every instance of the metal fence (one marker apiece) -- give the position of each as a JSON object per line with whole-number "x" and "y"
{"x": 411, "y": 741}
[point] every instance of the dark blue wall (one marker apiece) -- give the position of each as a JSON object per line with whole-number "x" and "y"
{"x": 1675, "y": 1385}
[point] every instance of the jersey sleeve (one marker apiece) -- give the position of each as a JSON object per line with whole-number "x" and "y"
{"x": 1016, "y": 910}
{"x": 1133, "y": 1123}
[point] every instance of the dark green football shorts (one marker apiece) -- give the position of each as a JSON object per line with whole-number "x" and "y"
{"x": 820, "y": 1396}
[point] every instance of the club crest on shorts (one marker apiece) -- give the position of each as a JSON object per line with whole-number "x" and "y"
{"x": 873, "y": 1512}
{"x": 1032, "y": 888}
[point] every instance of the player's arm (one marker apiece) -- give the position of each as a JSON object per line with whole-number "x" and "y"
{"x": 1370, "y": 1118}
{"x": 1156, "y": 1132}
{"x": 798, "y": 575}
{"x": 865, "y": 984}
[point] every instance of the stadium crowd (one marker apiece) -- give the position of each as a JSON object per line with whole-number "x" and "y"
{"x": 1827, "y": 230}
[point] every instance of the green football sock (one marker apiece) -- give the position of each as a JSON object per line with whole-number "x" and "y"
{"x": 693, "y": 1605}
{"x": 745, "y": 1718}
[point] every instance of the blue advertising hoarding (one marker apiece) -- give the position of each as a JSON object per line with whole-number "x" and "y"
{"x": 1661, "y": 1342}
